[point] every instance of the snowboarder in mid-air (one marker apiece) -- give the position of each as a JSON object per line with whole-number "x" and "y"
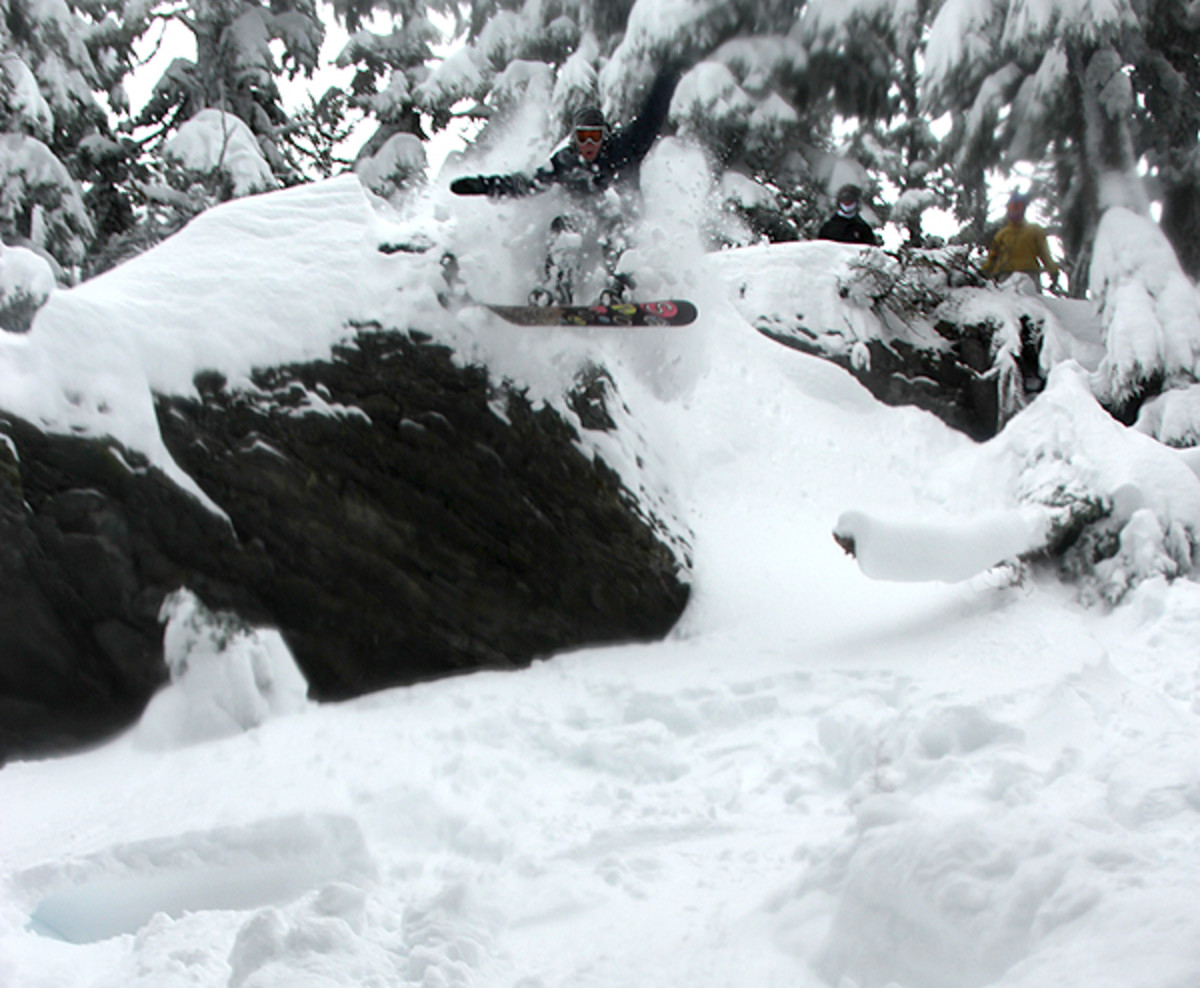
{"x": 595, "y": 162}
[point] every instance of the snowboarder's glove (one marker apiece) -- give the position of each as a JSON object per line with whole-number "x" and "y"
{"x": 472, "y": 185}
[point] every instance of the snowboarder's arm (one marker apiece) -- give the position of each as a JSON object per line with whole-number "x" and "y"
{"x": 635, "y": 140}
{"x": 502, "y": 186}
{"x": 989, "y": 266}
{"x": 1043, "y": 253}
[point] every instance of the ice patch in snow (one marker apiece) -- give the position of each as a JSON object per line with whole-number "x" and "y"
{"x": 119, "y": 890}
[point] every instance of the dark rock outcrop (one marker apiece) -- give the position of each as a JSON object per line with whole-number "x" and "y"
{"x": 924, "y": 339}
{"x": 397, "y": 517}
{"x": 961, "y": 384}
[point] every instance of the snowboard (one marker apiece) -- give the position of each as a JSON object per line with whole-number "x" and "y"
{"x": 668, "y": 312}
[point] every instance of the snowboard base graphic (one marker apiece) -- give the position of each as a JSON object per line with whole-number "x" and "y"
{"x": 668, "y": 312}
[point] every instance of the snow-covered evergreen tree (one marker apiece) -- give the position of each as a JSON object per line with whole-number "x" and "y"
{"x": 1166, "y": 74}
{"x": 570, "y": 37}
{"x": 746, "y": 94}
{"x": 1041, "y": 80}
{"x": 242, "y": 48}
{"x": 869, "y": 53}
{"x": 214, "y": 126}
{"x": 1053, "y": 80}
{"x": 55, "y": 57}
{"x": 390, "y": 45}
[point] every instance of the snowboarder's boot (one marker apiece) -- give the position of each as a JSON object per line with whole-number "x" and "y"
{"x": 619, "y": 289}
{"x": 562, "y": 259}
{"x": 455, "y": 292}
{"x": 450, "y": 272}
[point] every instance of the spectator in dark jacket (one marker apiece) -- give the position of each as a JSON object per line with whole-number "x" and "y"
{"x": 846, "y": 225}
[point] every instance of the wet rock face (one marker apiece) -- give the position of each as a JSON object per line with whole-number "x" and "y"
{"x": 396, "y": 516}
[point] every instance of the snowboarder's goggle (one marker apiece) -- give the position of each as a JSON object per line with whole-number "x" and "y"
{"x": 590, "y": 135}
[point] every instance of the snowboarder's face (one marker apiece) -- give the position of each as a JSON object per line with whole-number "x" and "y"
{"x": 588, "y": 141}
{"x": 1016, "y": 212}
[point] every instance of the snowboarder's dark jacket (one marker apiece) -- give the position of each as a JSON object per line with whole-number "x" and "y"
{"x": 620, "y": 155}
{"x": 848, "y": 229}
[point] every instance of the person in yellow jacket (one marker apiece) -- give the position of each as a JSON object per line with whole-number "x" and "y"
{"x": 1020, "y": 246}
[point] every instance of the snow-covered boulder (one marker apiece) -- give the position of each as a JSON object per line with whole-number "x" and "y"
{"x": 915, "y": 327}
{"x": 395, "y": 516}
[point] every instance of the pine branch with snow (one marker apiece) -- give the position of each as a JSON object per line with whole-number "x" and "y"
{"x": 40, "y": 203}
{"x": 1149, "y": 308}
{"x": 26, "y": 281}
{"x": 216, "y": 145}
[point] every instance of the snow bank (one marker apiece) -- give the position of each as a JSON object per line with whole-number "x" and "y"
{"x": 1066, "y": 450}
{"x": 949, "y": 550}
{"x": 225, "y": 677}
{"x": 255, "y": 282}
{"x": 1127, "y": 507}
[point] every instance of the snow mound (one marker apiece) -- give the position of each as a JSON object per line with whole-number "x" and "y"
{"x": 935, "y": 894}
{"x": 226, "y": 677}
{"x": 949, "y": 550}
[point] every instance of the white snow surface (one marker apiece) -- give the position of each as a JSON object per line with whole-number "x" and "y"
{"x": 818, "y": 780}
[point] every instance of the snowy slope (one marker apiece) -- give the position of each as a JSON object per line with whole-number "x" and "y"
{"x": 818, "y": 779}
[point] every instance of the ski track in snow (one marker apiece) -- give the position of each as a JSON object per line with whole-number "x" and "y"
{"x": 817, "y": 777}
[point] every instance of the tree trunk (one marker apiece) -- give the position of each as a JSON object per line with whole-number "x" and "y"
{"x": 1108, "y": 107}
{"x": 1181, "y": 223}
{"x": 1106, "y": 173}
{"x": 208, "y": 64}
